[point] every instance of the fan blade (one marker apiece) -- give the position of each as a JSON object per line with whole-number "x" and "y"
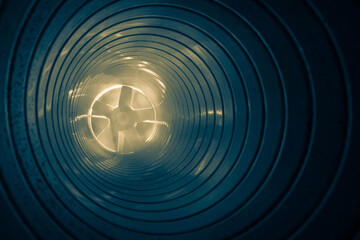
{"x": 133, "y": 140}
{"x": 125, "y": 99}
{"x": 102, "y": 109}
{"x": 111, "y": 97}
{"x": 98, "y": 123}
{"x": 120, "y": 142}
{"x": 106, "y": 138}
{"x": 144, "y": 114}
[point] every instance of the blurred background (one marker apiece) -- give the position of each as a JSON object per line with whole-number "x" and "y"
{"x": 175, "y": 119}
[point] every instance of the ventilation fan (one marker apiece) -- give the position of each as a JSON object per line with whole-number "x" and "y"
{"x": 122, "y": 119}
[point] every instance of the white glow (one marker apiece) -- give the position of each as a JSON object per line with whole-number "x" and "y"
{"x": 131, "y": 136}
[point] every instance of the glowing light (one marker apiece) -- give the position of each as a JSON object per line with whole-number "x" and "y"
{"x": 122, "y": 133}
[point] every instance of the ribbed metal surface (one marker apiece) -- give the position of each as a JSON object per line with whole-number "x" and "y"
{"x": 244, "y": 115}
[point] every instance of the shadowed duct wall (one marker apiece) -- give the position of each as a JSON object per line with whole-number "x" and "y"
{"x": 174, "y": 119}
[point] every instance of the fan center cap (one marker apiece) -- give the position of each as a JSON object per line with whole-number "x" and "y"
{"x": 123, "y": 118}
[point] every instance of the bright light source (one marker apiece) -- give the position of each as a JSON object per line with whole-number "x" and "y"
{"x": 122, "y": 119}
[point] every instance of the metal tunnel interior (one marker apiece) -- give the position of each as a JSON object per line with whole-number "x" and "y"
{"x": 174, "y": 119}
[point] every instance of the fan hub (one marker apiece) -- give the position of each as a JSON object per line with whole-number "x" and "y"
{"x": 123, "y": 118}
